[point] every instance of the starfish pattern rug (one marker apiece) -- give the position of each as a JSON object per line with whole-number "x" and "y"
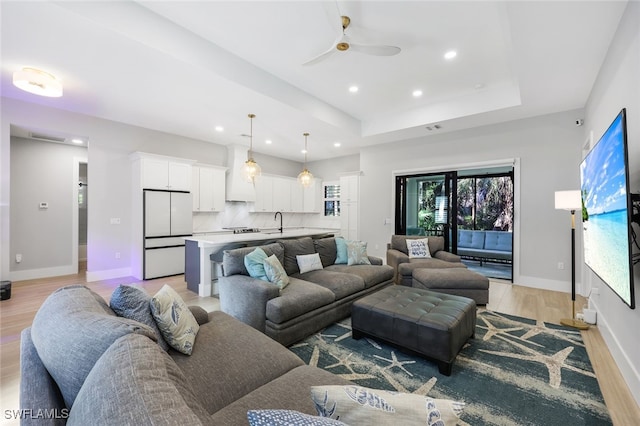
{"x": 516, "y": 371}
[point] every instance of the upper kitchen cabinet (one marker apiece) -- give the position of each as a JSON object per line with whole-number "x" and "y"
{"x": 168, "y": 173}
{"x": 264, "y": 194}
{"x": 208, "y": 187}
{"x": 313, "y": 197}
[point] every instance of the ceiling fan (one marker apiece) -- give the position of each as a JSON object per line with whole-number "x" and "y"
{"x": 344, "y": 43}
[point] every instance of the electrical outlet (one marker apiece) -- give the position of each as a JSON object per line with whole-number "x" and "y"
{"x": 18, "y": 258}
{"x": 117, "y": 255}
{"x": 561, "y": 265}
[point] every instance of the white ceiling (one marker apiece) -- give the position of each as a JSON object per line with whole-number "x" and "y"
{"x": 184, "y": 67}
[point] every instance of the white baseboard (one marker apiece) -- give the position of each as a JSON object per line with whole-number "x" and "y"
{"x": 33, "y": 274}
{"x": 630, "y": 375}
{"x": 545, "y": 284}
{"x": 108, "y": 274}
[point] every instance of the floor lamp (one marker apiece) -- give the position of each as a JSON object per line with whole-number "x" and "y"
{"x": 571, "y": 200}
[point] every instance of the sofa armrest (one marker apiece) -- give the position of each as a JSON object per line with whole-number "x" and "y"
{"x": 245, "y": 298}
{"x": 396, "y": 257}
{"x": 201, "y": 316}
{"x": 38, "y": 391}
{"x": 446, "y": 256}
{"x": 375, "y": 260}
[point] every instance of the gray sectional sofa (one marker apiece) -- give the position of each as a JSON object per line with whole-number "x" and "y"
{"x": 485, "y": 245}
{"x": 83, "y": 365}
{"x": 311, "y": 301}
{"x": 403, "y": 266}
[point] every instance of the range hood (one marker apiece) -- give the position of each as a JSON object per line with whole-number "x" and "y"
{"x": 238, "y": 189}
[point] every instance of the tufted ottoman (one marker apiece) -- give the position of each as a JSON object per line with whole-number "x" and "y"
{"x": 457, "y": 281}
{"x": 434, "y": 325}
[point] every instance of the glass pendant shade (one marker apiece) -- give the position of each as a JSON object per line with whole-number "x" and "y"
{"x": 305, "y": 177}
{"x": 251, "y": 169}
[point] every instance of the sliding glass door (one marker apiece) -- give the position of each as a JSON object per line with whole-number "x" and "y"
{"x": 471, "y": 209}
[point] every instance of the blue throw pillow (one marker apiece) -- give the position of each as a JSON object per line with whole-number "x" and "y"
{"x": 254, "y": 262}
{"x": 288, "y": 418}
{"x": 342, "y": 256}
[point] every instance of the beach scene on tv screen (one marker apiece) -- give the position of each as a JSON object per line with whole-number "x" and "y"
{"x": 604, "y": 213}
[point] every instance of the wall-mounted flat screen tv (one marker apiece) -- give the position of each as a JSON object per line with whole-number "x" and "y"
{"x": 606, "y": 210}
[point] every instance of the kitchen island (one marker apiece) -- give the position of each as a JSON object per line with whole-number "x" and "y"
{"x": 203, "y": 253}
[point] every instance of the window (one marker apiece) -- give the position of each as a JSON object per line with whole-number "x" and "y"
{"x": 331, "y": 198}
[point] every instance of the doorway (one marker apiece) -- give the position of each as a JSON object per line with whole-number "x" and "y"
{"x": 472, "y": 209}
{"x": 83, "y": 205}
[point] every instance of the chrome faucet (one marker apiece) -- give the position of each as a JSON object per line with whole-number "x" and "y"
{"x": 275, "y": 218}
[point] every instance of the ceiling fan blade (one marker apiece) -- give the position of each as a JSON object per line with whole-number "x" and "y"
{"x": 375, "y": 50}
{"x": 321, "y": 57}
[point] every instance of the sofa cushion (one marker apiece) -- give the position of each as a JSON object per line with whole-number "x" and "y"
{"x": 357, "y": 405}
{"x": 298, "y": 298}
{"x": 470, "y": 239}
{"x": 326, "y": 248}
{"x": 342, "y": 253}
{"x": 309, "y": 262}
{"x": 218, "y": 369}
{"x": 293, "y": 248}
{"x": 254, "y": 262}
{"x": 371, "y": 274}
{"x": 498, "y": 241}
{"x": 275, "y": 272}
{"x": 71, "y": 330}
{"x": 340, "y": 283}
{"x": 134, "y": 382}
{"x": 233, "y": 260}
{"x": 176, "y": 322}
{"x": 134, "y": 303}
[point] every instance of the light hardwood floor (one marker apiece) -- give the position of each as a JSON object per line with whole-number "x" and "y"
{"x": 27, "y": 296}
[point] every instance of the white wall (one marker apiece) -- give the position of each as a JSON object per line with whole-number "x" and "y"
{"x": 617, "y": 87}
{"x": 549, "y": 151}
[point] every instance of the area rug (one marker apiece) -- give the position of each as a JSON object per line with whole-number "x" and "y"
{"x": 516, "y": 371}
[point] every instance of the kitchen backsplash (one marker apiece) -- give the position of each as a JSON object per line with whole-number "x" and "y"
{"x": 237, "y": 214}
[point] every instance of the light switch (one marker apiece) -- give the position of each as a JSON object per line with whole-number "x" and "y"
{"x": 43, "y": 205}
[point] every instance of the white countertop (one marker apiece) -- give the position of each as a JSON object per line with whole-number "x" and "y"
{"x": 225, "y": 237}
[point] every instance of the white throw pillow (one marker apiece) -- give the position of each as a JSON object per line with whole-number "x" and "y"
{"x": 309, "y": 262}
{"x": 357, "y": 405}
{"x": 175, "y": 321}
{"x": 418, "y": 248}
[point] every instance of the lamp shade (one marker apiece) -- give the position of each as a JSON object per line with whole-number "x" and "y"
{"x": 568, "y": 200}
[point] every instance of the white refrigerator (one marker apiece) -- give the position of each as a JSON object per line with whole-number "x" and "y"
{"x": 167, "y": 220}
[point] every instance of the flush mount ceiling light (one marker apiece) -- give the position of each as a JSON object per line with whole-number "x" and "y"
{"x": 305, "y": 177}
{"x": 38, "y": 82}
{"x": 251, "y": 169}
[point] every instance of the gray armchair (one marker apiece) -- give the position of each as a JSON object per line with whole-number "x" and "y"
{"x": 403, "y": 265}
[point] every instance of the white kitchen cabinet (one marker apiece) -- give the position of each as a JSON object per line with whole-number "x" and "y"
{"x": 312, "y": 197}
{"x": 208, "y": 188}
{"x": 349, "y": 206}
{"x": 281, "y": 194}
{"x": 264, "y": 194}
{"x": 297, "y": 196}
{"x": 165, "y": 173}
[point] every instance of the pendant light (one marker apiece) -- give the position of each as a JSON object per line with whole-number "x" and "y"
{"x": 305, "y": 177}
{"x": 251, "y": 169}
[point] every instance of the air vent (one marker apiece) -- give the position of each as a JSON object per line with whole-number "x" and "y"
{"x": 46, "y": 138}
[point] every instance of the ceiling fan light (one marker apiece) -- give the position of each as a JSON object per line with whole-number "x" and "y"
{"x": 38, "y": 82}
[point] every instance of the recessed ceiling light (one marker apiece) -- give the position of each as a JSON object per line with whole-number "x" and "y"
{"x": 304, "y": 151}
{"x": 353, "y": 89}
{"x": 77, "y": 141}
{"x": 450, "y": 54}
{"x": 219, "y": 129}
{"x": 479, "y": 86}
{"x": 337, "y": 144}
{"x": 417, "y": 93}
{"x": 268, "y": 141}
